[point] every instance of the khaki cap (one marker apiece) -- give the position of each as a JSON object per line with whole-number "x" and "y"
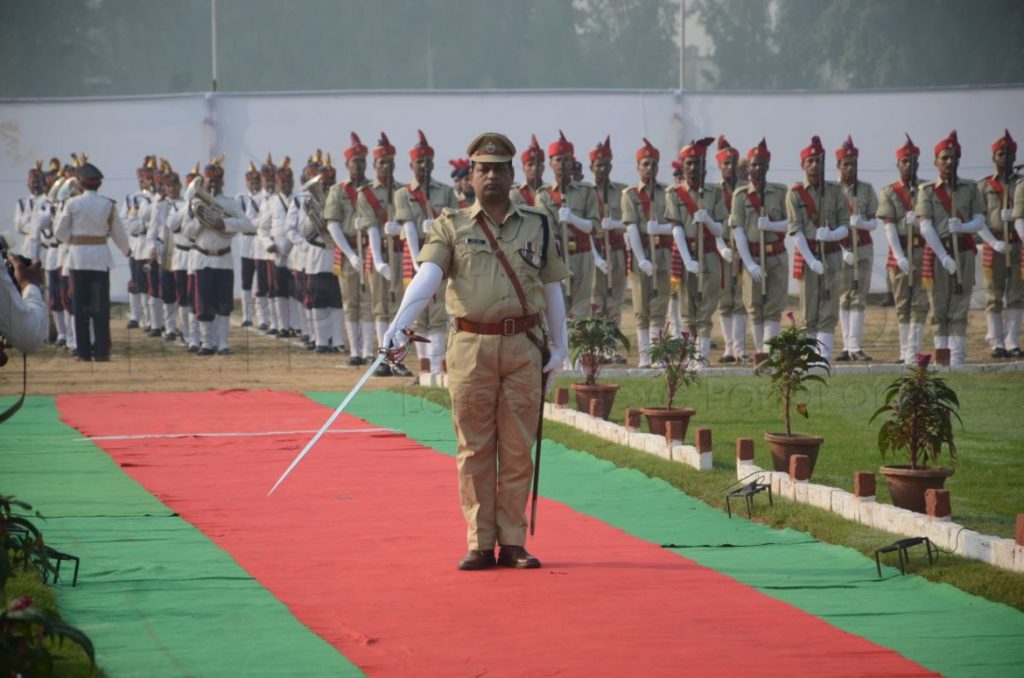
{"x": 491, "y": 147}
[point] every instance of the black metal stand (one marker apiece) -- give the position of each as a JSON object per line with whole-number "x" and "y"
{"x": 57, "y": 556}
{"x": 900, "y": 547}
{"x": 747, "y": 492}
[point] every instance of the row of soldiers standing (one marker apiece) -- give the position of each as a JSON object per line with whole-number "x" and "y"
{"x": 692, "y": 249}
{"x": 724, "y": 245}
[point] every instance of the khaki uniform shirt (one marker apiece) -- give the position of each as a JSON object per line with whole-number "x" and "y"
{"x": 632, "y": 207}
{"x": 993, "y": 202}
{"x": 366, "y": 212}
{"x": 713, "y": 201}
{"x": 865, "y": 203}
{"x": 966, "y": 203}
{"x": 478, "y": 287}
{"x": 1018, "y": 201}
{"x": 339, "y": 207}
{"x": 516, "y": 194}
{"x": 408, "y": 208}
{"x": 891, "y": 209}
{"x": 581, "y": 198}
{"x": 744, "y": 217}
{"x": 610, "y": 200}
{"x": 830, "y": 209}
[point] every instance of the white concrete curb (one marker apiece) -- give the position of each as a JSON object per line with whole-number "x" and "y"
{"x": 944, "y": 533}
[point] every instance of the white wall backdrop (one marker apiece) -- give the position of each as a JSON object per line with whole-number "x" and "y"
{"x": 117, "y": 132}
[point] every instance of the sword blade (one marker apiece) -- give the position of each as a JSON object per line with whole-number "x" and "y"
{"x": 330, "y": 420}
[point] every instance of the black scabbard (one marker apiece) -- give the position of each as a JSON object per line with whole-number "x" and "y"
{"x": 545, "y": 355}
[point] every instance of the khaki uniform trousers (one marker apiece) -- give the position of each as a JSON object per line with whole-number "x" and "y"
{"x": 854, "y": 299}
{"x": 494, "y": 382}
{"x": 355, "y": 295}
{"x": 603, "y": 303}
{"x": 995, "y": 282}
{"x": 821, "y": 308}
{"x": 386, "y": 295}
{"x": 581, "y": 267}
{"x": 776, "y": 272}
{"x": 699, "y": 313}
{"x": 949, "y": 309}
{"x": 650, "y": 294}
{"x": 730, "y": 301}
{"x": 911, "y": 300}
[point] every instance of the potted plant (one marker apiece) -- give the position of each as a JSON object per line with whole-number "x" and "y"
{"x": 921, "y": 408}
{"x": 792, "y": 355}
{"x": 681, "y": 360}
{"x": 592, "y": 341}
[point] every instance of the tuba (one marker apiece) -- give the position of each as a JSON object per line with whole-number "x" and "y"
{"x": 314, "y": 205}
{"x": 206, "y": 207}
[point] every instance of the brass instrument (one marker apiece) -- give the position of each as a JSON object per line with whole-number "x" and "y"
{"x": 206, "y": 207}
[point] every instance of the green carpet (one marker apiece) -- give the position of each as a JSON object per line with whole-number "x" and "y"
{"x": 156, "y": 597}
{"x": 936, "y": 625}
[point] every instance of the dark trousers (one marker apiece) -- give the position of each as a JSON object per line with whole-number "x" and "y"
{"x": 90, "y": 301}
{"x": 214, "y": 292}
{"x": 248, "y": 272}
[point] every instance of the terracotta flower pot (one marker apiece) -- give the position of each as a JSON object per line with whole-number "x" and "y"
{"x": 603, "y": 393}
{"x": 784, "y": 446}
{"x": 658, "y": 418}
{"x": 907, "y": 485}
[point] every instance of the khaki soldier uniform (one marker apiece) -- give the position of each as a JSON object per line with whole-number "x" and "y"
{"x": 895, "y": 201}
{"x": 385, "y": 295}
{"x": 494, "y": 379}
{"x": 701, "y": 291}
{"x": 422, "y": 206}
{"x": 650, "y": 293}
{"x": 732, "y": 312}
{"x": 1017, "y": 215}
{"x": 950, "y": 307}
{"x": 582, "y": 200}
{"x": 1004, "y": 292}
{"x": 341, "y": 207}
{"x": 523, "y": 195}
{"x": 765, "y": 308}
{"x": 819, "y": 294}
{"x": 855, "y": 282}
{"x": 609, "y": 288}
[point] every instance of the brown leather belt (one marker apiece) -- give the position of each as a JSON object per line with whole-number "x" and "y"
{"x": 506, "y": 327}
{"x": 88, "y": 240}
{"x": 214, "y": 253}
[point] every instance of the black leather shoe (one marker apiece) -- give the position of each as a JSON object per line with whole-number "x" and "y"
{"x": 225, "y": 351}
{"x": 133, "y": 324}
{"x": 862, "y": 356}
{"x": 726, "y": 358}
{"x": 518, "y": 557}
{"x": 401, "y": 370}
{"x": 383, "y": 370}
{"x": 477, "y": 560}
{"x": 1015, "y": 353}
{"x": 246, "y": 323}
{"x": 206, "y": 351}
{"x": 843, "y": 357}
{"x": 356, "y": 361}
{"x": 1000, "y": 352}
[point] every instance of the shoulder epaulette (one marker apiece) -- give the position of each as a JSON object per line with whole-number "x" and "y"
{"x": 532, "y": 210}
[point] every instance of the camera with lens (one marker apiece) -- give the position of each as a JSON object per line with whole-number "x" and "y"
{"x": 4, "y": 251}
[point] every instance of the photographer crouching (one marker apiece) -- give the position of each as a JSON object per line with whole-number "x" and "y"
{"x": 23, "y": 320}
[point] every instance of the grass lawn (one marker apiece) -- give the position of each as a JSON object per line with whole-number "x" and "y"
{"x": 986, "y": 494}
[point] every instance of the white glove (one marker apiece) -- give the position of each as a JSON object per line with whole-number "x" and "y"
{"x": 903, "y": 264}
{"x": 954, "y": 225}
{"x": 384, "y": 270}
{"x": 392, "y": 228}
{"x": 693, "y": 267}
{"x": 723, "y": 250}
{"x": 565, "y": 216}
{"x": 358, "y": 223}
{"x": 610, "y": 224}
{"x": 600, "y": 264}
{"x": 647, "y": 267}
{"x": 999, "y": 246}
{"x": 353, "y": 260}
{"x": 815, "y": 266}
{"x": 394, "y": 339}
{"x": 763, "y": 223}
{"x": 653, "y": 227}
{"x": 912, "y": 218}
{"x": 848, "y": 258}
{"x": 949, "y": 264}
{"x": 755, "y": 272}
{"x": 1006, "y": 214}
{"x": 427, "y": 225}
{"x": 823, "y": 234}
{"x": 855, "y": 221}
{"x": 702, "y": 216}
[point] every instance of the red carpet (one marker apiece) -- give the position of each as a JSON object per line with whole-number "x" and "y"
{"x": 362, "y": 539}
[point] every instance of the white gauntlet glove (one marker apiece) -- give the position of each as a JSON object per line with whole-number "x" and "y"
{"x": 392, "y": 228}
